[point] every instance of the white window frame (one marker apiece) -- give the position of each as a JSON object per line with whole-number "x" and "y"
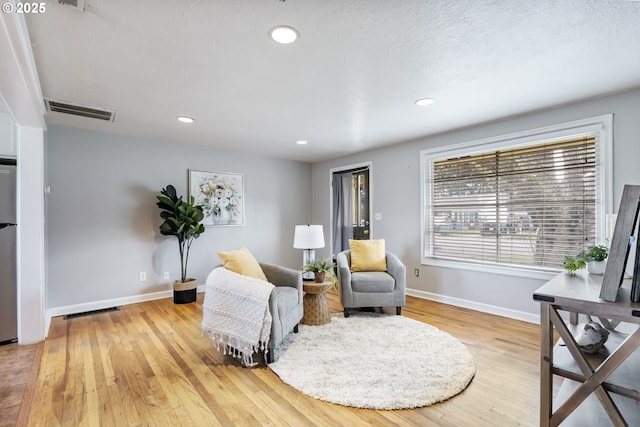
{"x": 600, "y": 126}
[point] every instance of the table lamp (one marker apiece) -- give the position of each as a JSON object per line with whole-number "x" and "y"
{"x": 309, "y": 238}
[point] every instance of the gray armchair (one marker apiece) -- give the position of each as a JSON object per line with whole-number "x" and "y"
{"x": 371, "y": 288}
{"x": 285, "y": 303}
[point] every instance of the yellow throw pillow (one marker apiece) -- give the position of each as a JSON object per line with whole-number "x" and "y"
{"x": 241, "y": 261}
{"x": 368, "y": 255}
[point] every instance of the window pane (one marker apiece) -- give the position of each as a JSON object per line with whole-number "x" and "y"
{"x": 528, "y": 206}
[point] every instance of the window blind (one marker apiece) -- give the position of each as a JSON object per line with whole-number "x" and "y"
{"x": 528, "y": 206}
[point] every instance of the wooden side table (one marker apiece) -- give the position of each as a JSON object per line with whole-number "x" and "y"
{"x": 316, "y": 307}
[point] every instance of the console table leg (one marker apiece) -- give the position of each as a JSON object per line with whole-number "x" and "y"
{"x": 593, "y": 379}
{"x": 546, "y": 363}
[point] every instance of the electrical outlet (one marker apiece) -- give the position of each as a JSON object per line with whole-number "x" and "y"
{"x": 143, "y": 276}
{"x": 417, "y": 272}
{"x": 166, "y": 275}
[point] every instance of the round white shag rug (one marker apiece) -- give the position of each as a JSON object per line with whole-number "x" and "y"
{"x": 375, "y": 361}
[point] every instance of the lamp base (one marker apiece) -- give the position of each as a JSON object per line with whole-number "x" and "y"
{"x": 308, "y": 255}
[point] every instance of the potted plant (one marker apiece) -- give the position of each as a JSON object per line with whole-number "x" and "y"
{"x": 594, "y": 258}
{"x": 182, "y": 220}
{"x": 320, "y": 268}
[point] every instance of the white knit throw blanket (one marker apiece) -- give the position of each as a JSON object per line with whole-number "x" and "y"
{"x": 236, "y": 313}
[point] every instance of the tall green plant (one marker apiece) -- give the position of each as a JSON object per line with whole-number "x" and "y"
{"x": 182, "y": 220}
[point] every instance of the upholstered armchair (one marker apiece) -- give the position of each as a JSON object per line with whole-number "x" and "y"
{"x": 285, "y": 303}
{"x": 371, "y": 288}
{"x": 237, "y": 297}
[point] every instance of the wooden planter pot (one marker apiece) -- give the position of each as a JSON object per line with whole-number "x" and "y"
{"x": 184, "y": 292}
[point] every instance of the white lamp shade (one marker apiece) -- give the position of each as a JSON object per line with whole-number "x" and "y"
{"x": 308, "y": 237}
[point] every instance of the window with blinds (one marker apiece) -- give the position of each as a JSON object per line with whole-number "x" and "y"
{"x": 524, "y": 206}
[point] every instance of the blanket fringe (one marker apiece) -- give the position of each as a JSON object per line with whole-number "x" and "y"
{"x": 235, "y": 347}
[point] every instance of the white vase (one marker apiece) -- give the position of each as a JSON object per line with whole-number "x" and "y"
{"x": 596, "y": 267}
{"x": 222, "y": 217}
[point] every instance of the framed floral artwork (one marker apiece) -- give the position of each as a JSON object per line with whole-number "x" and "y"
{"x": 221, "y": 195}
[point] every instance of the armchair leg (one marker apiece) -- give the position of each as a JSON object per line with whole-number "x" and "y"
{"x": 269, "y": 357}
{"x": 295, "y": 329}
{"x": 398, "y": 310}
{"x": 346, "y": 312}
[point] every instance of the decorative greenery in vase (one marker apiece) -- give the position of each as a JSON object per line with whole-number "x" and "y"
{"x": 321, "y": 269}
{"x": 182, "y": 220}
{"x": 594, "y": 253}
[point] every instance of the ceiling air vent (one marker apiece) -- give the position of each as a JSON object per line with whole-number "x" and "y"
{"x": 79, "y": 110}
{"x": 77, "y": 4}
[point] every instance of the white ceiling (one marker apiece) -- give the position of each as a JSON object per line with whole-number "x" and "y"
{"x": 350, "y": 81}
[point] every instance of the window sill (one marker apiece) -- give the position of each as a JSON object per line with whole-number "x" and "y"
{"x": 530, "y": 273}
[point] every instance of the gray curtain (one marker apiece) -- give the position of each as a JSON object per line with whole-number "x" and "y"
{"x": 342, "y": 224}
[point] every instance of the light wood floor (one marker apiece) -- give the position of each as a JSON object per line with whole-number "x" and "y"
{"x": 148, "y": 364}
{"x": 18, "y": 367}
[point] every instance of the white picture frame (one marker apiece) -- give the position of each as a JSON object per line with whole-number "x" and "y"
{"x": 221, "y": 195}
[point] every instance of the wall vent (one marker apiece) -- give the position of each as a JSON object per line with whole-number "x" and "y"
{"x": 79, "y": 110}
{"x": 90, "y": 312}
{"x": 76, "y": 4}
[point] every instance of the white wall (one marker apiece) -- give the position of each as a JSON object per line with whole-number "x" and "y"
{"x": 31, "y": 263}
{"x": 103, "y": 222}
{"x": 396, "y": 195}
{"x": 21, "y": 97}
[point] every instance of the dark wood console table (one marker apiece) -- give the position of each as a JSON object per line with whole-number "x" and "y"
{"x": 599, "y": 389}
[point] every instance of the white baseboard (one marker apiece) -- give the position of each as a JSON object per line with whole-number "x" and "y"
{"x": 47, "y": 324}
{"x": 102, "y": 304}
{"x": 477, "y": 306}
{"x": 116, "y": 302}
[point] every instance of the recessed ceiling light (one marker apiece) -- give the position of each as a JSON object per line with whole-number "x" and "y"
{"x": 424, "y": 101}
{"x": 301, "y": 142}
{"x": 283, "y": 34}
{"x": 185, "y": 119}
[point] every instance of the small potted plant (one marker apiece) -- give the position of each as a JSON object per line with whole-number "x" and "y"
{"x": 593, "y": 258}
{"x": 596, "y": 259}
{"x": 182, "y": 220}
{"x": 320, "y": 268}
